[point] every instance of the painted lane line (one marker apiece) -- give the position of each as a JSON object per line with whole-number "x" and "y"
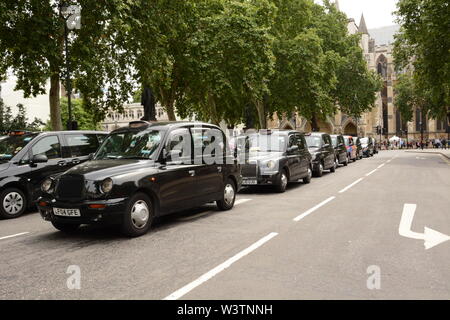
{"x": 14, "y": 235}
{"x": 241, "y": 201}
{"x": 210, "y": 274}
{"x": 351, "y": 185}
{"x": 381, "y": 165}
{"x": 368, "y": 174}
{"x": 308, "y": 212}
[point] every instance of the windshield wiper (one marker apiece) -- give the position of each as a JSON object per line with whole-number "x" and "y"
{"x": 135, "y": 157}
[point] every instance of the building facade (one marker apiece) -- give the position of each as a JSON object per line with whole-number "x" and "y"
{"x": 378, "y": 54}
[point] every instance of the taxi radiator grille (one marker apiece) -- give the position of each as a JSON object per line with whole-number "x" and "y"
{"x": 70, "y": 188}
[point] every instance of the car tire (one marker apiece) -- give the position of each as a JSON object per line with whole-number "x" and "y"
{"x": 308, "y": 178}
{"x": 346, "y": 162}
{"x": 138, "y": 216}
{"x": 333, "y": 167}
{"x": 66, "y": 227}
{"x": 282, "y": 182}
{"x": 228, "y": 196}
{"x": 13, "y": 203}
{"x": 319, "y": 171}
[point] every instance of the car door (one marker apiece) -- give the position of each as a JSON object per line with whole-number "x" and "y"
{"x": 305, "y": 156}
{"x": 342, "y": 150}
{"x": 328, "y": 151}
{"x": 176, "y": 178}
{"x": 79, "y": 146}
{"x": 293, "y": 155}
{"x": 209, "y": 148}
{"x": 50, "y": 146}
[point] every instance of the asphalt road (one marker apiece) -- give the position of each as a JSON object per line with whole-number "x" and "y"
{"x": 259, "y": 250}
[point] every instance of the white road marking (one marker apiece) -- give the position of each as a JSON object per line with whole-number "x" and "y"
{"x": 14, "y": 235}
{"x": 381, "y": 165}
{"x": 432, "y": 237}
{"x": 241, "y": 201}
{"x": 189, "y": 287}
{"x": 368, "y": 174}
{"x": 308, "y": 212}
{"x": 351, "y": 185}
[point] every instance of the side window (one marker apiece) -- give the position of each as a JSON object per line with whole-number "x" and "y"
{"x": 48, "y": 146}
{"x": 299, "y": 141}
{"x": 178, "y": 146}
{"x": 209, "y": 145}
{"x": 292, "y": 141}
{"x": 101, "y": 138}
{"x": 82, "y": 144}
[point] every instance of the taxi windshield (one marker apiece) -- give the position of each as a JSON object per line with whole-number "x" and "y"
{"x": 313, "y": 141}
{"x": 266, "y": 143}
{"x": 334, "y": 140}
{"x": 130, "y": 145}
{"x": 11, "y": 145}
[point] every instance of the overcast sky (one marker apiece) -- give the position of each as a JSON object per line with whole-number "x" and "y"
{"x": 377, "y": 13}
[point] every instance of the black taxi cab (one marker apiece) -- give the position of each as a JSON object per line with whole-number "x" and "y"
{"x": 143, "y": 171}
{"x": 321, "y": 148}
{"x": 274, "y": 158}
{"x": 28, "y": 158}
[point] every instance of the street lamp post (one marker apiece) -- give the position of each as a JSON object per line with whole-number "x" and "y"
{"x": 71, "y": 16}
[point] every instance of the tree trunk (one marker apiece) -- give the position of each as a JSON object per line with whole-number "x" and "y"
{"x": 261, "y": 115}
{"x": 314, "y": 125}
{"x": 171, "y": 111}
{"x": 55, "y": 103}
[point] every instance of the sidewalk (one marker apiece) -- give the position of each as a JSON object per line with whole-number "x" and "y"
{"x": 444, "y": 152}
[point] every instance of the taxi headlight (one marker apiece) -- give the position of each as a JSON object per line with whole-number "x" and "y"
{"x": 106, "y": 185}
{"x": 46, "y": 185}
{"x": 271, "y": 164}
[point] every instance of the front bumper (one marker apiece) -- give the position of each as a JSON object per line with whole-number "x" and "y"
{"x": 111, "y": 213}
{"x": 261, "y": 180}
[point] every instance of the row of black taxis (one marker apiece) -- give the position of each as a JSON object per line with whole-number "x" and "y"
{"x": 147, "y": 170}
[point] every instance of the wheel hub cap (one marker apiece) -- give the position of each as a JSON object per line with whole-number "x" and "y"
{"x": 13, "y": 203}
{"x": 284, "y": 180}
{"x": 229, "y": 194}
{"x": 140, "y": 214}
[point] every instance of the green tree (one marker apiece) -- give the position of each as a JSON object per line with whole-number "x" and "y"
{"x": 423, "y": 44}
{"x": 32, "y": 43}
{"x": 86, "y": 120}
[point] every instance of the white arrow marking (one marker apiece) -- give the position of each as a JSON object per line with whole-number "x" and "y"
{"x": 432, "y": 237}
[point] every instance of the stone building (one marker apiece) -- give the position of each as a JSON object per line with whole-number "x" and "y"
{"x": 377, "y": 45}
{"x": 131, "y": 112}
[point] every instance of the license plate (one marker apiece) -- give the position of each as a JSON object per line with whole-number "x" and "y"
{"x": 250, "y": 182}
{"x": 66, "y": 212}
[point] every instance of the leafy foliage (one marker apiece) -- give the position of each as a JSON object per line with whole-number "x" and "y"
{"x": 423, "y": 43}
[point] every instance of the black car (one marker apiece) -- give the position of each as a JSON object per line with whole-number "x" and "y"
{"x": 367, "y": 146}
{"x": 358, "y": 146}
{"x": 28, "y": 158}
{"x": 275, "y": 158}
{"x": 143, "y": 171}
{"x": 340, "y": 149}
{"x": 321, "y": 148}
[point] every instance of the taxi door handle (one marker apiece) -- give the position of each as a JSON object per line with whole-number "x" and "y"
{"x": 61, "y": 163}
{"x": 76, "y": 161}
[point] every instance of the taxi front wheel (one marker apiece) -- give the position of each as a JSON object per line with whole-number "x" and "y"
{"x": 229, "y": 196}
{"x": 138, "y": 216}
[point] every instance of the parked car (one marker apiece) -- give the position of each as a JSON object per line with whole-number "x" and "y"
{"x": 28, "y": 158}
{"x": 358, "y": 146}
{"x": 340, "y": 149}
{"x": 321, "y": 148}
{"x": 275, "y": 158}
{"x": 367, "y": 146}
{"x": 143, "y": 171}
{"x": 351, "y": 148}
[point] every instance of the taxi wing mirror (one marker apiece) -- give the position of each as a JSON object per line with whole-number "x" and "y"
{"x": 39, "y": 158}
